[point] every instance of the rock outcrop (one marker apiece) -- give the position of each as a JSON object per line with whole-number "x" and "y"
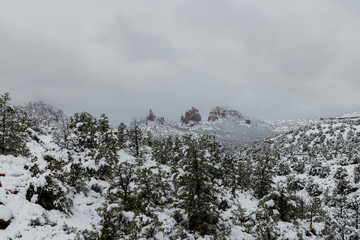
{"x": 220, "y": 112}
{"x": 151, "y": 116}
{"x": 191, "y": 115}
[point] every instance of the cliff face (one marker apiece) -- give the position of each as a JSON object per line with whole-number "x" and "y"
{"x": 191, "y": 115}
{"x": 220, "y": 112}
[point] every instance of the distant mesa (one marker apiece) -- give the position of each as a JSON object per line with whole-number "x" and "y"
{"x": 191, "y": 116}
{"x": 221, "y": 112}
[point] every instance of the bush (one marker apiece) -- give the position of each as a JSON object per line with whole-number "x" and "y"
{"x": 51, "y": 196}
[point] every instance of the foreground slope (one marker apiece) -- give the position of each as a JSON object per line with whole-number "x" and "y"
{"x": 96, "y": 182}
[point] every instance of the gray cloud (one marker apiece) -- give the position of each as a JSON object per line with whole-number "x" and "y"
{"x": 134, "y": 44}
{"x": 270, "y": 60}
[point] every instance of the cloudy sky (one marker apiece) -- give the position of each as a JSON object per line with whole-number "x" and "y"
{"x": 267, "y": 59}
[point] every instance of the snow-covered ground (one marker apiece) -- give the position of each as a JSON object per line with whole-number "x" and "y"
{"x": 28, "y": 219}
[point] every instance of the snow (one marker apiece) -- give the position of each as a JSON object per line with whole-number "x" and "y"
{"x": 5, "y": 213}
{"x": 24, "y": 213}
{"x": 238, "y": 233}
{"x": 353, "y": 114}
{"x": 31, "y": 221}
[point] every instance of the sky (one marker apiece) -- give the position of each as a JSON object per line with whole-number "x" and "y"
{"x": 274, "y": 59}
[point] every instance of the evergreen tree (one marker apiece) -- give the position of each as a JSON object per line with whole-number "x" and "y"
{"x": 263, "y": 172}
{"x": 228, "y": 168}
{"x": 281, "y": 204}
{"x": 148, "y": 194}
{"x": 13, "y": 126}
{"x": 56, "y": 192}
{"x": 107, "y": 149}
{"x": 244, "y": 170}
{"x": 194, "y": 186}
{"x": 121, "y": 135}
{"x": 354, "y": 213}
{"x": 120, "y": 188}
{"x": 135, "y": 139}
{"x": 104, "y": 123}
{"x": 84, "y": 126}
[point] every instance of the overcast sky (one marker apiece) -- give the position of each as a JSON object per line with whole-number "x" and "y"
{"x": 267, "y": 59}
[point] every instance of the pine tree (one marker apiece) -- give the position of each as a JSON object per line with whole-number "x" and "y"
{"x": 104, "y": 123}
{"x": 148, "y": 195}
{"x": 162, "y": 150}
{"x": 84, "y": 126}
{"x": 194, "y": 186}
{"x": 120, "y": 188}
{"x": 121, "y": 135}
{"x": 281, "y": 204}
{"x": 354, "y": 207}
{"x": 13, "y": 126}
{"x": 135, "y": 139}
{"x": 263, "y": 172}
{"x": 108, "y": 147}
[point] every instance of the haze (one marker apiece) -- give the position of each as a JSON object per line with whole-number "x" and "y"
{"x": 267, "y": 59}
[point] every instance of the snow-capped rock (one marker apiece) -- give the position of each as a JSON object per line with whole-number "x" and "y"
{"x": 192, "y": 115}
{"x": 222, "y": 112}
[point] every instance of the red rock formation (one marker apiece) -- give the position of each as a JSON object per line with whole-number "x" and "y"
{"x": 151, "y": 116}
{"x": 219, "y": 112}
{"x": 192, "y": 115}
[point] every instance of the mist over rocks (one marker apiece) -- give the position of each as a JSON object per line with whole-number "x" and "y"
{"x": 223, "y": 112}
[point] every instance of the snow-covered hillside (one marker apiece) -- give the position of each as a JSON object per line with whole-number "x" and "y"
{"x": 29, "y": 220}
{"x": 311, "y": 165}
{"x": 353, "y": 114}
{"x": 283, "y": 126}
{"x": 43, "y": 113}
{"x": 94, "y": 182}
